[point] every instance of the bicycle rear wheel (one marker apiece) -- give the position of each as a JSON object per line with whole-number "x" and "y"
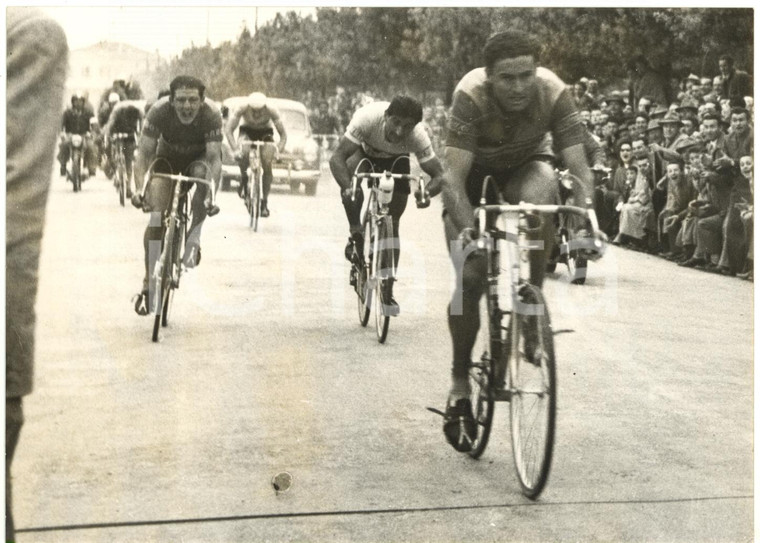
{"x": 384, "y": 274}
{"x": 175, "y": 272}
{"x": 533, "y": 385}
{"x": 255, "y": 199}
{"x": 121, "y": 176}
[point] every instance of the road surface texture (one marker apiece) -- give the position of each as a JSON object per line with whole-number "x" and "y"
{"x": 265, "y": 370}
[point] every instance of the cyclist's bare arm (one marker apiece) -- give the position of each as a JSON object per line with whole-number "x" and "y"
{"x": 280, "y": 127}
{"x": 338, "y": 162}
{"x": 574, "y": 158}
{"x": 434, "y": 169}
{"x": 459, "y": 163}
{"x": 229, "y": 129}
{"x": 146, "y": 152}
{"x": 213, "y": 157}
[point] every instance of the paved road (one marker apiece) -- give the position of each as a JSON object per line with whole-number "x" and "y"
{"x": 265, "y": 370}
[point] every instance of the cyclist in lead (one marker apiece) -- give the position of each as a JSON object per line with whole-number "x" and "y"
{"x": 505, "y": 117}
{"x": 384, "y": 134}
{"x": 259, "y": 122}
{"x": 183, "y": 134}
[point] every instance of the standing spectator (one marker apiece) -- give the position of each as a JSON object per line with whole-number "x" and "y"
{"x": 592, "y": 91}
{"x": 644, "y": 81}
{"x": 615, "y": 105}
{"x": 37, "y": 56}
{"x": 323, "y": 125}
{"x": 736, "y": 83}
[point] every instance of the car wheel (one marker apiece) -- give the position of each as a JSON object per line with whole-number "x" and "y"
{"x": 311, "y": 189}
{"x": 294, "y": 187}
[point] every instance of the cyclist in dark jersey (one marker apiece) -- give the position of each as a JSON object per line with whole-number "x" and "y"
{"x": 504, "y": 119}
{"x": 182, "y": 133}
{"x": 259, "y": 120}
{"x": 126, "y": 118}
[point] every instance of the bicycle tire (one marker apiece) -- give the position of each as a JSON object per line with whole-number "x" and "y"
{"x": 482, "y": 374}
{"x": 533, "y": 402}
{"x": 363, "y": 292}
{"x": 255, "y": 199}
{"x": 163, "y": 282}
{"x": 76, "y": 171}
{"x": 121, "y": 175}
{"x": 175, "y": 271}
{"x": 383, "y": 266}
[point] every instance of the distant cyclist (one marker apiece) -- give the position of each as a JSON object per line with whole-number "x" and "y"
{"x": 385, "y": 134}
{"x": 504, "y": 119}
{"x": 76, "y": 120}
{"x": 183, "y": 134}
{"x": 126, "y": 118}
{"x": 259, "y": 120}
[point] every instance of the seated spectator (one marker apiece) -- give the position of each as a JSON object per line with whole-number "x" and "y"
{"x": 610, "y": 196}
{"x": 636, "y": 215}
{"x": 679, "y": 193}
{"x": 747, "y": 218}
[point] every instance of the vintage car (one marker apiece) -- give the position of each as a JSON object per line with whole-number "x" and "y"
{"x": 298, "y": 164}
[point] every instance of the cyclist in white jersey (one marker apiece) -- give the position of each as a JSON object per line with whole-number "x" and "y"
{"x": 384, "y": 134}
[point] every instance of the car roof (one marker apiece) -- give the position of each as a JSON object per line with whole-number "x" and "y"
{"x": 235, "y": 102}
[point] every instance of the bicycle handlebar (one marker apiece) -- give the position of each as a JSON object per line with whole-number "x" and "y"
{"x": 178, "y": 177}
{"x": 253, "y": 143}
{"x": 423, "y": 200}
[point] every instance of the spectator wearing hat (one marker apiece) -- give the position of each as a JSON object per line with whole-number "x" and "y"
{"x": 736, "y": 83}
{"x": 615, "y": 105}
{"x": 679, "y": 193}
{"x": 687, "y": 107}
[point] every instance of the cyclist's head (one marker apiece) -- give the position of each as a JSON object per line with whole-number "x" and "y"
{"x": 511, "y": 59}
{"x": 186, "y": 96}
{"x": 77, "y": 99}
{"x": 187, "y": 82}
{"x": 113, "y": 98}
{"x": 510, "y": 44}
{"x": 257, "y": 100}
{"x": 402, "y": 115}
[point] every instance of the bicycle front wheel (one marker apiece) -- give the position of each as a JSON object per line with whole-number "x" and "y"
{"x": 255, "y": 199}
{"x": 363, "y": 291}
{"x": 163, "y": 283}
{"x": 121, "y": 175}
{"x": 384, "y": 275}
{"x": 533, "y": 385}
{"x": 481, "y": 373}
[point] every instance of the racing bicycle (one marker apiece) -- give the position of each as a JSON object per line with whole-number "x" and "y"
{"x": 374, "y": 270}
{"x": 168, "y": 268}
{"x": 122, "y": 175}
{"x": 255, "y": 189}
{"x": 518, "y": 364}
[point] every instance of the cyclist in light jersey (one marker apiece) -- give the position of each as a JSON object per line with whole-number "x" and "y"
{"x": 385, "y": 134}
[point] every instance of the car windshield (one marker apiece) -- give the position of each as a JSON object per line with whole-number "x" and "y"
{"x": 294, "y": 120}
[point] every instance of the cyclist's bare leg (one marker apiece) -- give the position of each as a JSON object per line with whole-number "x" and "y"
{"x": 267, "y": 158}
{"x": 243, "y": 163}
{"x": 536, "y": 183}
{"x": 354, "y": 208}
{"x": 199, "y": 206}
{"x": 463, "y": 311}
{"x": 396, "y": 209}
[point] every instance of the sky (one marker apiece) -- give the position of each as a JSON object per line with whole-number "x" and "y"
{"x": 166, "y": 29}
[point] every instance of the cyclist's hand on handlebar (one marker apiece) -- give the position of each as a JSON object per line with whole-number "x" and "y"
{"x": 423, "y": 200}
{"x": 435, "y": 186}
{"x": 346, "y": 194}
{"x": 137, "y": 200}
{"x": 591, "y": 247}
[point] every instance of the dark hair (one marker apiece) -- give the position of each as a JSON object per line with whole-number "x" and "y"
{"x": 728, "y": 58}
{"x": 186, "y": 82}
{"x": 676, "y": 161}
{"x": 406, "y": 107}
{"x": 163, "y": 92}
{"x": 582, "y": 84}
{"x": 623, "y": 142}
{"x": 632, "y": 168}
{"x": 710, "y": 117}
{"x": 740, "y": 111}
{"x": 509, "y": 44}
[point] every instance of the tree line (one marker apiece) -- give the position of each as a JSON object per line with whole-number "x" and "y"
{"x": 419, "y": 50}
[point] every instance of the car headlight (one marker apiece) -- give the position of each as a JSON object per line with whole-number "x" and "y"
{"x": 298, "y": 165}
{"x": 76, "y": 140}
{"x": 311, "y": 151}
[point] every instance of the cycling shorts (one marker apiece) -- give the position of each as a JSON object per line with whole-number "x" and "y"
{"x": 159, "y": 192}
{"x": 257, "y": 134}
{"x": 475, "y": 178}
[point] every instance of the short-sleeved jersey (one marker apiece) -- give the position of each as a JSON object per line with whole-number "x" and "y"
{"x": 501, "y": 140}
{"x": 264, "y": 117}
{"x": 125, "y": 118}
{"x": 174, "y": 137}
{"x": 367, "y": 128}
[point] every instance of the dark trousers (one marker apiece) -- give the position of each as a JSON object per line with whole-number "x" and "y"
{"x": 14, "y": 419}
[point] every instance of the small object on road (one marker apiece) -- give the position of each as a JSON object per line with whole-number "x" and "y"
{"x": 282, "y": 482}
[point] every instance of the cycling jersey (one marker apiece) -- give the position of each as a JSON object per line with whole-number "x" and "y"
{"x": 503, "y": 140}
{"x": 367, "y": 128}
{"x": 185, "y": 140}
{"x": 125, "y": 119}
{"x": 264, "y": 117}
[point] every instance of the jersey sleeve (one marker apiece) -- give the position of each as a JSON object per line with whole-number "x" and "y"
{"x": 357, "y": 128}
{"x": 213, "y": 131}
{"x": 567, "y": 129}
{"x": 422, "y": 147}
{"x": 463, "y": 124}
{"x": 150, "y": 126}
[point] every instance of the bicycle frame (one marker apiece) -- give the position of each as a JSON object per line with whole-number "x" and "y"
{"x": 255, "y": 175}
